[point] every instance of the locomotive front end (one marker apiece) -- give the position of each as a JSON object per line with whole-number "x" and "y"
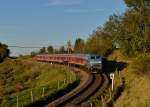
{"x": 94, "y": 63}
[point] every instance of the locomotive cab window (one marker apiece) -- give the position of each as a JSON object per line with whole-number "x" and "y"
{"x": 92, "y": 57}
{"x": 97, "y": 57}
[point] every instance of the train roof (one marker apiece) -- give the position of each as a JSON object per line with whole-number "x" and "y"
{"x": 78, "y": 54}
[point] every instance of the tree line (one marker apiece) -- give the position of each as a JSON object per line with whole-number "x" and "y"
{"x": 130, "y": 32}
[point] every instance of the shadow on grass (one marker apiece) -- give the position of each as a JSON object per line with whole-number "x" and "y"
{"x": 49, "y": 98}
{"x": 111, "y": 66}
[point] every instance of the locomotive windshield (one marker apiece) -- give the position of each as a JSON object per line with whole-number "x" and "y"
{"x": 97, "y": 57}
{"x": 92, "y": 57}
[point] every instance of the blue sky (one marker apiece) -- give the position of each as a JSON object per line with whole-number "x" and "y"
{"x": 52, "y": 22}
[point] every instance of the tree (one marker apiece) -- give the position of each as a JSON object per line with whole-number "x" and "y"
{"x": 102, "y": 40}
{"x": 137, "y": 4}
{"x": 33, "y": 54}
{"x": 62, "y": 49}
{"x": 42, "y": 50}
{"x": 79, "y": 46}
{"x": 134, "y": 31}
{"x": 50, "y": 49}
{"x": 4, "y": 51}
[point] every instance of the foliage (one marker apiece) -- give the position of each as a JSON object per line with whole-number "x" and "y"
{"x": 33, "y": 54}
{"x": 62, "y": 50}
{"x": 4, "y": 51}
{"x": 79, "y": 46}
{"x": 137, "y": 4}
{"x": 42, "y": 50}
{"x": 50, "y": 49}
{"x": 140, "y": 65}
{"x": 130, "y": 31}
{"x": 134, "y": 32}
{"x": 102, "y": 40}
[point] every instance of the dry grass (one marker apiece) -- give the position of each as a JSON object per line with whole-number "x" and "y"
{"x": 137, "y": 87}
{"x": 136, "y": 93}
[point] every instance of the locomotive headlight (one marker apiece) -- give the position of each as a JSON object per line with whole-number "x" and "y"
{"x": 99, "y": 62}
{"x": 96, "y": 64}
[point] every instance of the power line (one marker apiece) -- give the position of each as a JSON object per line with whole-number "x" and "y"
{"x": 24, "y": 47}
{"x": 37, "y": 47}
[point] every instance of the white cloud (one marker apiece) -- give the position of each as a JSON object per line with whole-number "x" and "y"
{"x": 64, "y": 2}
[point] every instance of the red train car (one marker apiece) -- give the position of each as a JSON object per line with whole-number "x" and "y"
{"x": 77, "y": 59}
{"x": 89, "y": 61}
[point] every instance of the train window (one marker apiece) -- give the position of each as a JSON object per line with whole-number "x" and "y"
{"x": 92, "y": 57}
{"x": 97, "y": 57}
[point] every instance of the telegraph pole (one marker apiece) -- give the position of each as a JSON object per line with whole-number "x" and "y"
{"x": 69, "y": 47}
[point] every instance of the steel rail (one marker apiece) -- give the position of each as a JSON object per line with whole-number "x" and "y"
{"x": 90, "y": 83}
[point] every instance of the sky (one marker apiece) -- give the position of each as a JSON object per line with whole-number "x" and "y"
{"x": 39, "y": 23}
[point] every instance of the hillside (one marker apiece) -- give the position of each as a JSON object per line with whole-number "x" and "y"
{"x": 136, "y": 77}
{"x": 30, "y": 81}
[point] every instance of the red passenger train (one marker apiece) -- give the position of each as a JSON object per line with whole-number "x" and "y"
{"x": 89, "y": 61}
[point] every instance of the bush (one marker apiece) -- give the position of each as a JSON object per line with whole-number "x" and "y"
{"x": 141, "y": 65}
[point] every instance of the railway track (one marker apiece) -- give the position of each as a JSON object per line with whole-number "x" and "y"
{"x": 89, "y": 84}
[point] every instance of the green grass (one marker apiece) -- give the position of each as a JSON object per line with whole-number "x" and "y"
{"x": 18, "y": 77}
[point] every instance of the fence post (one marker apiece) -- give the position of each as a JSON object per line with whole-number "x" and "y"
{"x": 103, "y": 103}
{"x": 112, "y": 76}
{"x": 58, "y": 84}
{"x": 43, "y": 91}
{"x": 64, "y": 81}
{"x": 120, "y": 78}
{"x": 91, "y": 105}
{"x": 31, "y": 96}
{"x": 17, "y": 102}
{"x": 70, "y": 78}
{"x": 110, "y": 93}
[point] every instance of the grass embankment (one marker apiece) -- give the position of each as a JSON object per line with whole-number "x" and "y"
{"x": 137, "y": 83}
{"x": 26, "y": 82}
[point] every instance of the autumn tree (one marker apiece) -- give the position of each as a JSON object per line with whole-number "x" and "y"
{"x": 137, "y": 4}
{"x": 79, "y": 46}
{"x": 130, "y": 31}
{"x": 134, "y": 32}
{"x": 102, "y": 40}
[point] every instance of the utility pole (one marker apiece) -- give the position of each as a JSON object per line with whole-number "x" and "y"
{"x": 69, "y": 47}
